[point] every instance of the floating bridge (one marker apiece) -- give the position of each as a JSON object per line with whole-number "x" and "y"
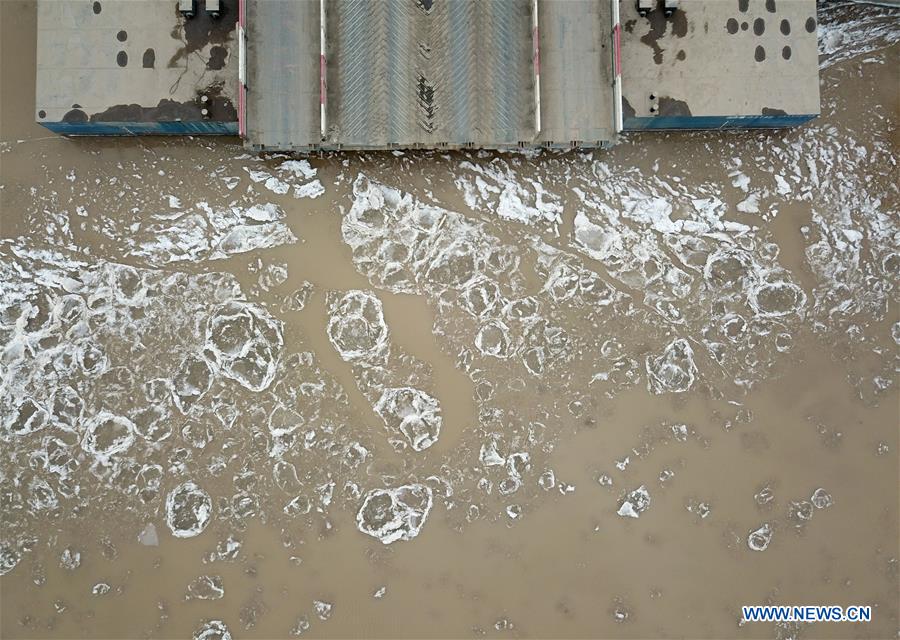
{"x": 303, "y": 75}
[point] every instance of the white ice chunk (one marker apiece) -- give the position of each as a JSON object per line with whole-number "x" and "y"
{"x": 395, "y": 514}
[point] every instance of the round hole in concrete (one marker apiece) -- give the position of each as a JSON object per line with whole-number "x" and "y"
{"x": 122, "y": 59}
{"x": 122, "y": 36}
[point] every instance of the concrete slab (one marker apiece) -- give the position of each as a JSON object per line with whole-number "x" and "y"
{"x": 720, "y": 63}
{"x": 134, "y": 66}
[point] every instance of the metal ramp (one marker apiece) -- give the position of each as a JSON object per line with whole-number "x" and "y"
{"x": 381, "y": 74}
{"x": 282, "y": 71}
{"x": 578, "y": 72}
{"x": 429, "y": 73}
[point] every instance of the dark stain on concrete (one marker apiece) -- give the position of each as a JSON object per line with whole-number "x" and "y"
{"x": 122, "y": 36}
{"x": 76, "y": 116}
{"x": 97, "y": 8}
{"x": 203, "y": 29}
{"x": 786, "y": 27}
{"x": 629, "y": 25}
{"x": 658, "y": 25}
{"x": 760, "y": 54}
{"x": 627, "y": 109}
{"x": 149, "y": 60}
{"x": 743, "y": 5}
{"x": 681, "y": 55}
{"x": 786, "y": 53}
{"x": 810, "y": 24}
{"x": 122, "y": 59}
{"x": 217, "y": 57}
{"x": 671, "y": 107}
{"x": 732, "y": 26}
{"x": 768, "y": 111}
{"x": 759, "y": 26}
{"x": 220, "y": 108}
{"x": 770, "y": 6}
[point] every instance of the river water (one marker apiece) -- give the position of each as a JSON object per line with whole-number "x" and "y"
{"x": 608, "y": 394}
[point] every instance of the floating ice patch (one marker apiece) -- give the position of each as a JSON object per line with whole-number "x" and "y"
{"x": 212, "y": 630}
{"x": 244, "y": 342}
{"x": 847, "y": 32}
{"x": 821, "y": 499}
{"x": 205, "y": 233}
{"x": 107, "y": 434}
{"x": 759, "y": 539}
{"x": 269, "y": 181}
{"x": 356, "y": 326}
{"x": 395, "y": 514}
{"x": 311, "y": 189}
{"x": 777, "y": 299}
{"x": 635, "y": 503}
{"x": 413, "y": 413}
{"x": 264, "y": 212}
{"x": 188, "y": 510}
{"x": 70, "y": 559}
{"x": 148, "y": 536}
{"x": 494, "y": 187}
{"x": 299, "y": 168}
{"x": 323, "y": 609}
{"x": 493, "y": 339}
{"x": 9, "y": 558}
{"x": 674, "y": 370}
{"x": 205, "y": 588}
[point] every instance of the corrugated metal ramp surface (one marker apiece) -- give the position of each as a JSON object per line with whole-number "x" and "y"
{"x": 427, "y": 73}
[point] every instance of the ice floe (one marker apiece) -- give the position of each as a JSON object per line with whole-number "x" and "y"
{"x": 395, "y": 514}
{"x": 188, "y": 510}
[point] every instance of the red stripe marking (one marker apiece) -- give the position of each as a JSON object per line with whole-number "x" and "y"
{"x": 617, "y": 37}
{"x": 321, "y": 79}
{"x": 241, "y": 129}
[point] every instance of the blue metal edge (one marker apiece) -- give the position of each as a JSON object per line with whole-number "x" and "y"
{"x": 158, "y": 128}
{"x": 717, "y": 122}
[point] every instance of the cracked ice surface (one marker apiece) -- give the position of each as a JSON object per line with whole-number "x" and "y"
{"x": 395, "y": 514}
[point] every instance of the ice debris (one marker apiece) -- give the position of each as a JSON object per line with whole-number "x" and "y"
{"x": 759, "y": 539}
{"x": 244, "y": 342}
{"x": 413, "y": 413}
{"x": 395, "y": 514}
{"x": 635, "y": 503}
{"x": 188, "y": 510}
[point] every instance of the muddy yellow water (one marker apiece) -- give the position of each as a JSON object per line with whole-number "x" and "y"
{"x": 616, "y": 394}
